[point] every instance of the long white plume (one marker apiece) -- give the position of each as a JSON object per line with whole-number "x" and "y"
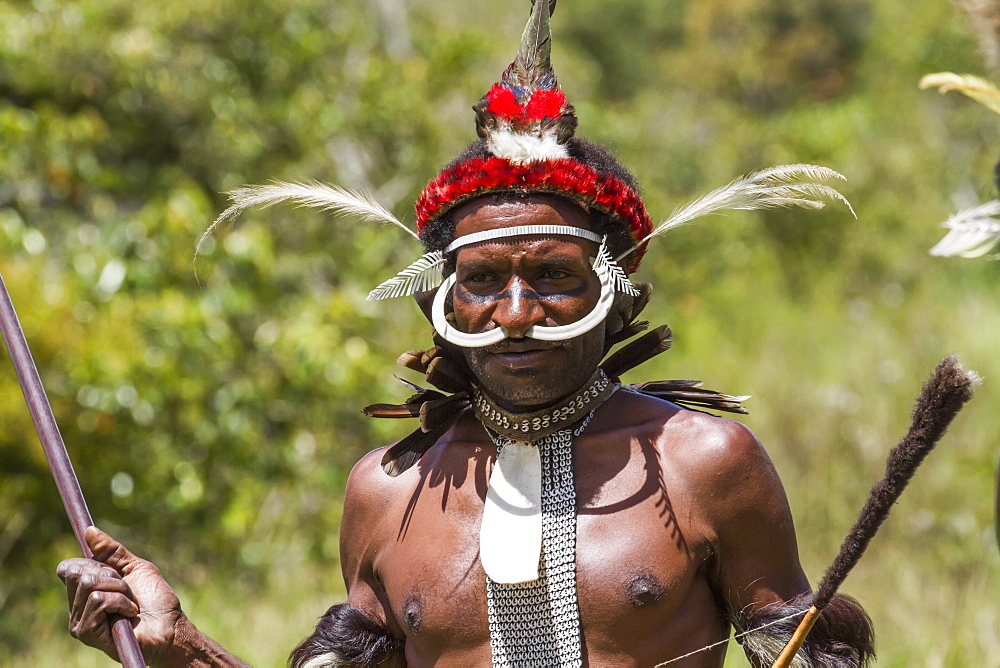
{"x": 341, "y": 201}
{"x": 971, "y": 233}
{"x": 424, "y": 274}
{"x": 782, "y": 186}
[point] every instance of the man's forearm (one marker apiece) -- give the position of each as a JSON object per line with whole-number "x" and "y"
{"x": 193, "y": 648}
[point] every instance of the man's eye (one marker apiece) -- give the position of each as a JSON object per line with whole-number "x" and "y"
{"x": 555, "y": 274}
{"x": 479, "y": 278}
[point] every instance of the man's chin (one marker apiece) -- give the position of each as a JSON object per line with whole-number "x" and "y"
{"x": 524, "y": 389}
{"x": 528, "y": 379}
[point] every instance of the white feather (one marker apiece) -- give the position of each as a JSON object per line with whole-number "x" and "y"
{"x": 782, "y": 186}
{"x": 766, "y": 647}
{"x": 618, "y": 276}
{"x": 341, "y": 201}
{"x": 522, "y": 148}
{"x": 971, "y": 233}
{"x": 424, "y": 274}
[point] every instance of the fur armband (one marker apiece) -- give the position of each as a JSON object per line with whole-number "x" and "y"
{"x": 842, "y": 637}
{"x": 346, "y": 638}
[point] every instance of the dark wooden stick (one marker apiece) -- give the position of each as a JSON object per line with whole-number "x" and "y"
{"x": 942, "y": 396}
{"x": 59, "y": 462}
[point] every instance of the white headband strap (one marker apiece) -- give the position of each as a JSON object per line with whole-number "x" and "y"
{"x": 523, "y": 231}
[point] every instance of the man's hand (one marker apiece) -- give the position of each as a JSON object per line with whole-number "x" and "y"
{"x": 116, "y": 582}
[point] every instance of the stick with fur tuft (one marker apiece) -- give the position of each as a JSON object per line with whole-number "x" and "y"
{"x": 942, "y": 396}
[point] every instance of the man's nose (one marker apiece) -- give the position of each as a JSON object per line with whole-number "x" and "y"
{"x": 519, "y": 309}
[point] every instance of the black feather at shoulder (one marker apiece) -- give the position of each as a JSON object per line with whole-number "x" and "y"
{"x": 647, "y": 346}
{"x": 408, "y": 451}
{"x": 689, "y": 393}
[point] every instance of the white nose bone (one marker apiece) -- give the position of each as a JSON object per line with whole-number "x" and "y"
{"x": 539, "y": 332}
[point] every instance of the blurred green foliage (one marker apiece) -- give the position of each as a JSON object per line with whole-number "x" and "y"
{"x": 213, "y": 421}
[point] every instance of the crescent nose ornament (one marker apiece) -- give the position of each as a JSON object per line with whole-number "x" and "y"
{"x": 538, "y": 332}
{"x": 453, "y": 335}
{"x": 587, "y": 322}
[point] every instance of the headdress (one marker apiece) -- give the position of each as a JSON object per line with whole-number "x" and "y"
{"x": 528, "y": 145}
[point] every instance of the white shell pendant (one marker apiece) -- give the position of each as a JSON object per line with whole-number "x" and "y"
{"x": 510, "y": 539}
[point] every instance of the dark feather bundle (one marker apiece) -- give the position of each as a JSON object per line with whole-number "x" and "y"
{"x": 410, "y": 409}
{"x": 647, "y": 346}
{"x": 448, "y": 373}
{"x": 621, "y": 324}
{"x": 408, "y": 451}
{"x": 691, "y": 395}
{"x": 939, "y": 401}
{"x": 345, "y": 636}
{"x": 437, "y": 412}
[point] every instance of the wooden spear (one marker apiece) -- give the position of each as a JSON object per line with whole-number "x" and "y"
{"x": 59, "y": 462}
{"x": 942, "y": 396}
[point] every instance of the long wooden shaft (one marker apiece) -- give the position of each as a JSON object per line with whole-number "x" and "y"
{"x": 59, "y": 462}
{"x": 802, "y": 630}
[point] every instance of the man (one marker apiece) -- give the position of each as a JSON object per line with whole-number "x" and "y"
{"x": 543, "y": 514}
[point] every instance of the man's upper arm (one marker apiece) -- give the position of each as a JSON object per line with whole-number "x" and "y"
{"x": 362, "y": 536}
{"x": 756, "y": 555}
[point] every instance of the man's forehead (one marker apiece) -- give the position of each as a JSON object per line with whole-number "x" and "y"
{"x": 493, "y": 212}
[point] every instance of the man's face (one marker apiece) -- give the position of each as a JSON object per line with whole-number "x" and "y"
{"x": 524, "y": 281}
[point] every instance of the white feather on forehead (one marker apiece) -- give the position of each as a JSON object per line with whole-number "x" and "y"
{"x": 522, "y": 149}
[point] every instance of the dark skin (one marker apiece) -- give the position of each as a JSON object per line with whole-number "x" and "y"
{"x": 682, "y": 519}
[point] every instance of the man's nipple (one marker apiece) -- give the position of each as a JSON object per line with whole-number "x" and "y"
{"x": 413, "y": 613}
{"x": 643, "y": 590}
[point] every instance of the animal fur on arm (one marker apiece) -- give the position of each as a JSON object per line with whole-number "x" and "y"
{"x": 346, "y": 637}
{"x": 842, "y": 637}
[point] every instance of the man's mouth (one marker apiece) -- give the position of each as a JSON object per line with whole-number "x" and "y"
{"x": 523, "y": 352}
{"x": 521, "y": 346}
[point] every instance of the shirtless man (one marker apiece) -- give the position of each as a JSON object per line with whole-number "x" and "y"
{"x": 682, "y": 521}
{"x": 678, "y": 527}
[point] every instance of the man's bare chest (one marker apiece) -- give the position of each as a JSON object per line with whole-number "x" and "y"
{"x": 637, "y": 563}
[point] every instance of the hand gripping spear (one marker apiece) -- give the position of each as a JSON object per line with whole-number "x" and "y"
{"x": 942, "y": 396}
{"x": 55, "y": 452}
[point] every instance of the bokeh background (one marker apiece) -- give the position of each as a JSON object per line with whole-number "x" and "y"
{"x": 213, "y": 421}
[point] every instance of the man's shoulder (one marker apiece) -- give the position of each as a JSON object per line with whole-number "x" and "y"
{"x": 370, "y": 464}
{"x": 709, "y": 436}
{"x": 367, "y": 479}
{"x": 691, "y": 439}
{"x": 722, "y": 464}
